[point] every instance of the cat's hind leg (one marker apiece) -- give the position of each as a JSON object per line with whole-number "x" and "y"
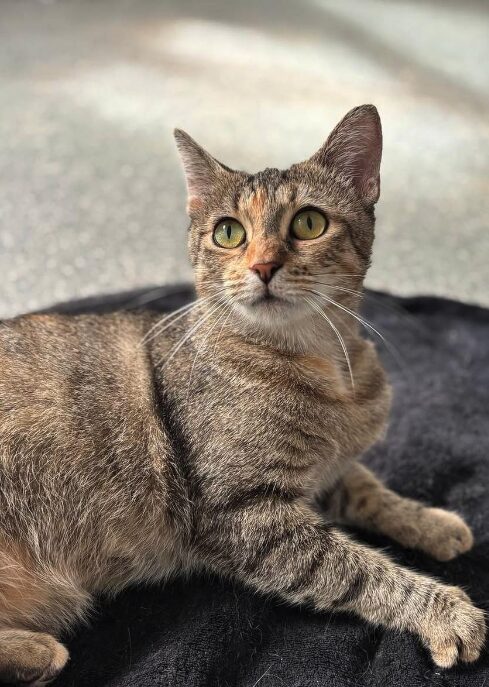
{"x": 361, "y": 499}
{"x": 35, "y": 605}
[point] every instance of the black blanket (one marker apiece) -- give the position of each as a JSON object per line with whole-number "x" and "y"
{"x": 208, "y": 632}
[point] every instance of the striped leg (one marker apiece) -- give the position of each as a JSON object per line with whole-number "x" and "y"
{"x": 364, "y": 501}
{"x": 282, "y": 547}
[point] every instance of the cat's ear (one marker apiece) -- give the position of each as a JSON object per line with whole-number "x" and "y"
{"x": 354, "y": 148}
{"x": 201, "y": 169}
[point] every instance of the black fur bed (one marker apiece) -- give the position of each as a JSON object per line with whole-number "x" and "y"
{"x": 207, "y": 632}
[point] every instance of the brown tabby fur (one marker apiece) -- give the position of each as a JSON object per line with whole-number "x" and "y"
{"x": 129, "y": 453}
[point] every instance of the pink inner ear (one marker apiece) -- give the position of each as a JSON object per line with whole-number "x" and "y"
{"x": 371, "y": 189}
{"x": 194, "y": 203}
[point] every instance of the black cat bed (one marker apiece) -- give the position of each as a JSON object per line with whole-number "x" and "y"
{"x": 205, "y": 632}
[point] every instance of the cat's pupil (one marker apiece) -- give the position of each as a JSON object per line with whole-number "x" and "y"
{"x": 309, "y": 221}
{"x": 228, "y": 231}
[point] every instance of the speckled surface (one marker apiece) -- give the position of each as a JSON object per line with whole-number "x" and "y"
{"x": 91, "y": 193}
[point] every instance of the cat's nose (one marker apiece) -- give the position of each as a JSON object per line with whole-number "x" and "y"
{"x": 265, "y": 270}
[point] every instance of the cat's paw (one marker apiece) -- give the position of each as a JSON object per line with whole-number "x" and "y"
{"x": 444, "y": 534}
{"x": 454, "y": 629}
{"x": 31, "y": 659}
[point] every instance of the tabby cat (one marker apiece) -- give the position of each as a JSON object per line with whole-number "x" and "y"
{"x": 132, "y": 447}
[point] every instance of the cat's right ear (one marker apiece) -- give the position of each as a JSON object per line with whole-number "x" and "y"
{"x": 354, "y": 149}
{"x": 202, "y": 170}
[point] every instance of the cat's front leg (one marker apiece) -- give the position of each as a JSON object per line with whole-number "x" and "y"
{"x": 281, "y": 546}
{"x": 361, "y": 499}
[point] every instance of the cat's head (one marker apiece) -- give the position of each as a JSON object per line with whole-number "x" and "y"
{"x": 267, "y": 244}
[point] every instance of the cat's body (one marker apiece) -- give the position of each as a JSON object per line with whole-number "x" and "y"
{"x": 130, "y": 451}
{"x": 132, "y": 454}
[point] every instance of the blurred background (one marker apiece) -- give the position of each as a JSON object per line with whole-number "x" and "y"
{"x": 92, "y": 198}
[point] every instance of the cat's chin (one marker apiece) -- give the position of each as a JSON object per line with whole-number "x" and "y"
{"x": 268, "y": 300}
{"x": 277, "y": 322}
{"x": 270, "y": 312}
{"x": 266, "y": 305}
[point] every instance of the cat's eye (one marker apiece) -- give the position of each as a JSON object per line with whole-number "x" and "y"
{"x": 229, "y": 233}
{"x": 308, "y": 224}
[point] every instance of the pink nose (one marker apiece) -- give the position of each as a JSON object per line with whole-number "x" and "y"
{"x": 265, "y": 270}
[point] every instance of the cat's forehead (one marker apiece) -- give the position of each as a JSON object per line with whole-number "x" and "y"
{"x": 265, "y": 191}
{"x": 269, "y": 181}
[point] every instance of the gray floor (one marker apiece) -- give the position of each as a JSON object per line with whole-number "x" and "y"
{"x": 91, "y": 193}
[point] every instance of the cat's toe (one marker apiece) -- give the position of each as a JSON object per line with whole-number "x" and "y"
{"x": 455, "y": 629}
{"x": 446, "y": 534}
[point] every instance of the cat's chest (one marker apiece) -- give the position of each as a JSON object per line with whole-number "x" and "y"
{"x": 286, "y": 409}
{"x": 291, "y": 423}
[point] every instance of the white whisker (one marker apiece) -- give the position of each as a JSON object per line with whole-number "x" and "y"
{"x": 316, "y": 307}
{"x": 231, "y": 308}
{"x": 166, "y": 317}
{"x": 185, "y": 338}
{"x": 158, "y": 328}
{"x": 378, "y": 301}
{"x": 363, "y": 322}
{"x": 204, "y": 343}
{"x": 344, "y": 274}
{"x": 337, "y": 288}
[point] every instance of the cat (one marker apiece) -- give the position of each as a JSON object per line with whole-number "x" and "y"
{"x": 133, "y": 447}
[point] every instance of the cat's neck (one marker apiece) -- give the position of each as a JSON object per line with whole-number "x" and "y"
{"x": 314, "y": 335}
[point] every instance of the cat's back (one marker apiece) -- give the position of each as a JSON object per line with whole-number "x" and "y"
{"x": 77, "y": 398}
{"x": 84, "y": 453}
{"x": 53, "y": 363}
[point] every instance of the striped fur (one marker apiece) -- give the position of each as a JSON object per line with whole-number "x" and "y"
{"x": 127, "y": 455}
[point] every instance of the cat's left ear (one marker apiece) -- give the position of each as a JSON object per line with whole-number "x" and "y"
{"x": 202, "y": 170}
{"x": 354, "y": 149}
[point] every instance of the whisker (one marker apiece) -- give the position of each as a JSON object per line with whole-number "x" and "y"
{"x": 337, "y": 288}
{"x": 378, "y": 301}
{"x": 338, "y": 275}
{"x": 204, "y": 343}
{"x": 186, "y": 336}
{"x": 166, "y": 317}
{"x": 316, "y": 307}
{"x": 183, "y": 310}
{"x": 231, "y": 307}
{"x": 390, "y": 347}
{"x": 152, "y": 295}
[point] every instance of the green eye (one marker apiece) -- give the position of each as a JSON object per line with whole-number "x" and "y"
{"x": 309, "y": 224}
{"x": 229, "y": 233}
